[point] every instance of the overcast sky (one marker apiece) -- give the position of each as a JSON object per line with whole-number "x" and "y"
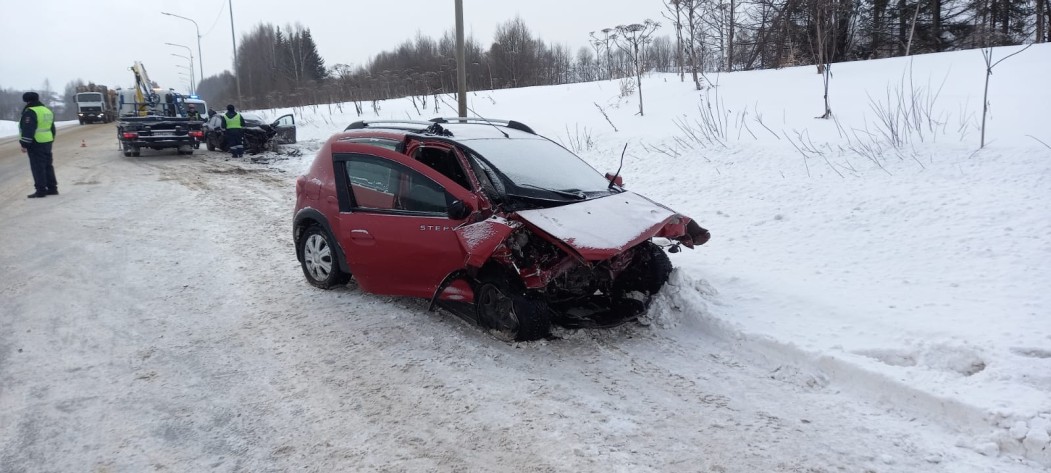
{"x": 97, "y": 41}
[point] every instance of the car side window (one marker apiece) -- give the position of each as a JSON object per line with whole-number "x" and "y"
{"x": 443, "y": 161}
{"x": 378, "y": 184}
{"x": 381, "y": 142}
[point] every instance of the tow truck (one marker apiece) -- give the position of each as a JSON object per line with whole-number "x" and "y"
{"x": 151, "y": 117}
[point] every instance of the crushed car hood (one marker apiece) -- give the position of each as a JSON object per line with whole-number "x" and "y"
{"x": 601, "y": 228}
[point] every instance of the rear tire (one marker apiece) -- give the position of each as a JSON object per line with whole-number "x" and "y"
{"x": 319, "y": 259}
{"x": 509, "y": 314}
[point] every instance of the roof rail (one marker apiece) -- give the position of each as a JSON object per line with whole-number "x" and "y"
{"x": 411, "y": 125}
{"x": 508, "y": 123}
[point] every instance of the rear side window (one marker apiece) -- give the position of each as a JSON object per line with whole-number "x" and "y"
{"x": 381, "y": 142}
{"x": 380, "y": 185}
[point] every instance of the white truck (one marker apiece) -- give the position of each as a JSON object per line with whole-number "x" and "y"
{"x": 95, "y": 103}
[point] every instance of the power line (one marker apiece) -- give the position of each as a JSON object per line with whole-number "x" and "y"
{"x": 221, "y": 10}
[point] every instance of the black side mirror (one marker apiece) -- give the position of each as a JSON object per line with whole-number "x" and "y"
{"x": 458, "y": 210}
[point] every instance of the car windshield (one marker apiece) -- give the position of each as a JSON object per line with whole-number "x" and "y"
{"x": 540, "y": 164}
{"x": 95, "y": 97}
{"x": 252, "y": 119}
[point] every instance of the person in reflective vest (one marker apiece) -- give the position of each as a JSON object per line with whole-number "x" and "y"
{"x": 37, "y": 133}
{"x": 192, "y": 113}
{"x": 234, "y": 125}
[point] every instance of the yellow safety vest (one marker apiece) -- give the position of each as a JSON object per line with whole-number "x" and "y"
{"x": 232, "y": 123}
{"x": 44, "y": 120}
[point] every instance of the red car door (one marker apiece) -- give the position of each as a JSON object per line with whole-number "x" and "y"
{"x": 396, "y": 231}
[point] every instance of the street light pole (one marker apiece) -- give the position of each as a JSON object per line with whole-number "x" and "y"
{"x": 200, "y": 57}
{"x": 193, "y": 87}
{"x": 188, "y": 50}
{"x": 233, "y": 39}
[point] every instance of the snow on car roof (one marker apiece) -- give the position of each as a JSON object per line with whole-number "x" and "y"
{"x": 473, "y": 131}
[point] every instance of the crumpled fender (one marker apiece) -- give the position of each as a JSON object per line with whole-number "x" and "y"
{"x": 694, "y": 234}
{"x": 479, "y": 240}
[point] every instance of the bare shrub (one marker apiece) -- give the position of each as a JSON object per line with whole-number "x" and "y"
{"x": 906, "y": 113}
{"x": 603, "y": 112}
{"x": 579, "y": 140}
{"x": 627, "y": 87}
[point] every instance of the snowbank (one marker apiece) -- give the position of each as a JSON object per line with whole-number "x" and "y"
{"x": 881, "y": 250}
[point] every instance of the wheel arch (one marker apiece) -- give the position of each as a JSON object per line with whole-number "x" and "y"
{"x": 307, "y": 218}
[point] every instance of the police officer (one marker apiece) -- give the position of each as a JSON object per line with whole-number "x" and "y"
{"x": 234, "y": 125}
{"x": 37, "y": 130}
{"x": 192, "y": 113}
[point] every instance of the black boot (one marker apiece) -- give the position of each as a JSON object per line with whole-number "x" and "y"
{"x": 37, "y": 194}
{"x": 52, "y": 191}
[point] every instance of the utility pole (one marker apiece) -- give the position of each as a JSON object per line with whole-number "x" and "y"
{"x": 233, "y": 39}
{"x": 461, "y": 61}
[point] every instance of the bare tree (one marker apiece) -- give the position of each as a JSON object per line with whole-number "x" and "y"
{"x": 601, "y": 45}
{"x": 514, "y": 51}
{"x": 674, "y": 14}
{"x": 987, "y": 53}
{"x": 1043, "y": 16}
{"x": 729, "y": 10}
{"x": 824, "y": 18}
{"x": 659, "y": 56}
{"x": 632, "y": 39}
{"x": 586, "y": 65}
{"x": 691, "y": 12}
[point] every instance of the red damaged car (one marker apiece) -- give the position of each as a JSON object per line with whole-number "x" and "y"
{"x": 488, "y": 220}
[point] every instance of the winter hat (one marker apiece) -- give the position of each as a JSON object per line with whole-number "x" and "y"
{"x": 229, "y": 108}
{"x": 30, "y": 97}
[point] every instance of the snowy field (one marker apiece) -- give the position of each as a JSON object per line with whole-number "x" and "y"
{"x": 886, "y": 260}
{"x": 10, "y": 128}
{"x": 890, "y": 255}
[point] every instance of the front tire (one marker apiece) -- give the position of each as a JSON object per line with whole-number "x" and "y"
{"x": 649, "y": 270}
{"x": 319, "y": 259}
{"x": 510, "y": 315}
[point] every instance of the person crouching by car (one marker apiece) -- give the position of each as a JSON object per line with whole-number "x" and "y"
{"x": 234, "y": 125}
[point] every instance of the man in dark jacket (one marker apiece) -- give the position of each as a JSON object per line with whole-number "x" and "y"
{"x": 192, "y": 113}
{"x": 234, "y": 125}
{"x": 37, "y": 131}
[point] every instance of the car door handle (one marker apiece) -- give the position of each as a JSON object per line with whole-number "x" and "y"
{"x": 361, "y": 235}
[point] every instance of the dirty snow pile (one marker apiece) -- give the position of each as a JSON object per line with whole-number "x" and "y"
{"x": 881, "y": 249}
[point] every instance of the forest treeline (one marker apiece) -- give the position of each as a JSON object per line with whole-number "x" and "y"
{"x": 281, "y": 67}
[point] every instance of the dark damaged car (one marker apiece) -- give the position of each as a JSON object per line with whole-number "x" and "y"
{"x": 259, "y": 135}
{"x": 488, "y": 220}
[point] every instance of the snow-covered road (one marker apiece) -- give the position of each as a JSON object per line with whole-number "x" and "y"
{"x": 154, "y": 317}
